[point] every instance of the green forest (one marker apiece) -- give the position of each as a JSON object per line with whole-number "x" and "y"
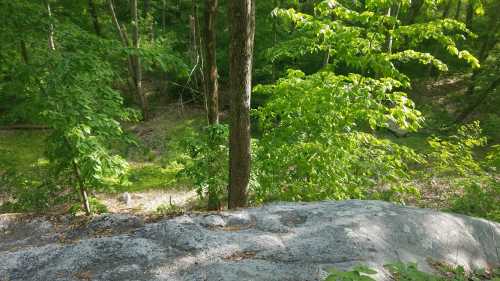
{"x": 236, "y": 103}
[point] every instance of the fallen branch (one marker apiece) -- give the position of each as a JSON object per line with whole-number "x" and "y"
{"x": 23, "y": 127}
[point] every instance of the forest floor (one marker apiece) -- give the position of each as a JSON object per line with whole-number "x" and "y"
{"x": 152, "y": 180}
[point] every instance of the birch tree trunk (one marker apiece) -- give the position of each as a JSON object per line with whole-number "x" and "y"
{"x": 242, "y": 34}
{"x": 52, "y": 46}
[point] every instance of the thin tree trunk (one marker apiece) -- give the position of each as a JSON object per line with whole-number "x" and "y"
{"x": 95, "y": 17}
{"x": 242, "y": 34}
{"x": 469, "y": 14}
{"x": 136, "y": 59}
{"x": 52, "y": 46}
{"x": 164, "y": 15}
{"x": 389, "y": 36}
{"x": 211, "y": 61}
{"x": 83, "y": 192}
{"x": 24, "y": 52}
{"x": 196, "y": 52}
{"x": 212, "y": 87}
{"x": 275, "y": 40}
{"x": 133, "y": 61}
{"x": 126, "y": 44}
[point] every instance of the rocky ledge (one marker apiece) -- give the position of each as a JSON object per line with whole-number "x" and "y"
{"x": 282, "y": 241}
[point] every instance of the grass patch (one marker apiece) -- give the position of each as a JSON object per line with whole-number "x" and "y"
{"x": 21, "y": 150}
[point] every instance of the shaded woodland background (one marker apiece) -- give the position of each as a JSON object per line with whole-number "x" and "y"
{"x": 388, "y": 100}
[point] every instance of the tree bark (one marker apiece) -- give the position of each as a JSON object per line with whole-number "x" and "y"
{"x": 211, "y": 61}
{"x": 242, "y": 34}
{"x": 95, "y": 17}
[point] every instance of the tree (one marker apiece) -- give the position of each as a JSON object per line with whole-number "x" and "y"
{"x": 133, "y": 59}
{"x": 212, "y": 86}
{"x": 242, "y": 34}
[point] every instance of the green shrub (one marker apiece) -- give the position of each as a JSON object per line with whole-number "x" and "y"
{"x": 410, "y": 272}
{"x": 455, "y": 155}
{"x": 480, "y": 198}
{"x": 206, "y": 163}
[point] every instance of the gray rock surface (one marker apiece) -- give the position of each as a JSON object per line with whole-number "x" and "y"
{"x": 276, "y": 242}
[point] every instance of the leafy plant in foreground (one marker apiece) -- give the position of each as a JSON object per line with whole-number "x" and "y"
{"x": 206, "y": 164}
{"x": 83, "y": 112}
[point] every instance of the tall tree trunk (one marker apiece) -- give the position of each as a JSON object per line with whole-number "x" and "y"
{"x": 52, "y": 46}
{"x": 211, "y": 61}
{"x": 212, "y": 87}
{"x": 95, "y": 17}
{"x": 242, "y": 35}
{"x": 136, "y": 59}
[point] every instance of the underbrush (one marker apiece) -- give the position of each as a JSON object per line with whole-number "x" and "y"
{"x": 29, "y": 183}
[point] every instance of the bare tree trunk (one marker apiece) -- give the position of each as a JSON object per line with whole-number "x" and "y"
{"x": 52, "y": 46}
{"x": 242, "y": 34}
{"x": 95, "y": 17}
{"x": 211, "y": 61}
